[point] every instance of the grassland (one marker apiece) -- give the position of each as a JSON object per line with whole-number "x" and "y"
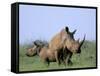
{"x": 86, "y": 59}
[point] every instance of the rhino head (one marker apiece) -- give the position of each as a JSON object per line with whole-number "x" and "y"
{"x": 74, "y": 46}
{"x": 70, "y": 43}
{"x": 31, "y": 51}
{"x": 38, "y": 44}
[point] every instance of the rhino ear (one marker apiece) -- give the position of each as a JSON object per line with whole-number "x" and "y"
{"x": 67, "y": 29}
{"x": 36, "y": 44}
{"x": 74, "y": 32}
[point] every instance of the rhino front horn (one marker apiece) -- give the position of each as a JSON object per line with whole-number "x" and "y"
{"x": 81, "y": 43}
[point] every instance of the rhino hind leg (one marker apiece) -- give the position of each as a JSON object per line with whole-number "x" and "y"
{"x": 48, "y": 62}
{"x": 57, "y": 58}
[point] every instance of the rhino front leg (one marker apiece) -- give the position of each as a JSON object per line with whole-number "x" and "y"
{"x": 64, "y": 57}
{"x": 69, "y": 58}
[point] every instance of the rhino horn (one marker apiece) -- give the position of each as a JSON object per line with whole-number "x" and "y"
{"x": 81, "y": 43}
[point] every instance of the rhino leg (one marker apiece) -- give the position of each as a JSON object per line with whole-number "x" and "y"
{"x": 64, "y": 62}
{"x": 57, "y": 58}
{"x": 67, "y": 56}
{"x": 69, "y": 62}
{"x": 48, "y": 62}
{"x": 64, "y": 54}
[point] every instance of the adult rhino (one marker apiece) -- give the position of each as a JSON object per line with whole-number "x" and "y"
{"x": 64, "y": 41}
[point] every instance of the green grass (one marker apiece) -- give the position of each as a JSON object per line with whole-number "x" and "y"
{"x": 86, "y": 59}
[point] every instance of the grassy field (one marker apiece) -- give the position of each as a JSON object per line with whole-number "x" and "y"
{"x": 87, "y": 58}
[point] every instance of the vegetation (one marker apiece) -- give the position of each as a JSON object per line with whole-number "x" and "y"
{"x": 87, "y": 58}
